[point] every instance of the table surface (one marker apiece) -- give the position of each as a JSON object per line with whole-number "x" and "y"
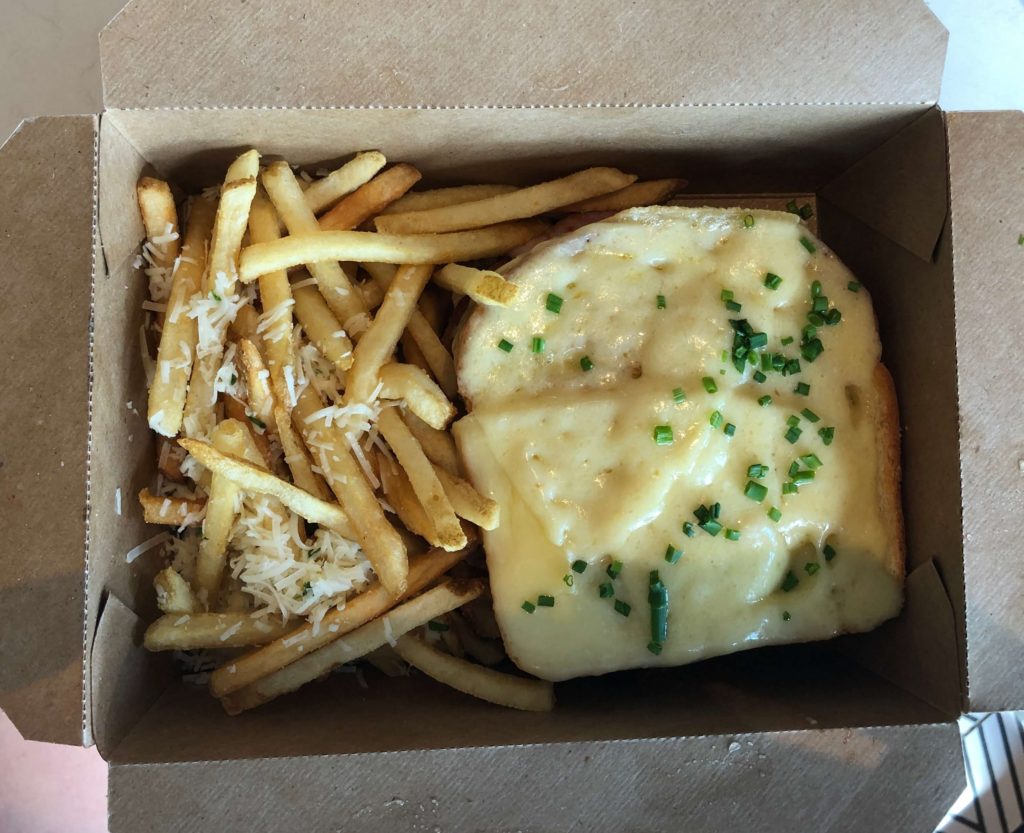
{"x": 46, "y": 788}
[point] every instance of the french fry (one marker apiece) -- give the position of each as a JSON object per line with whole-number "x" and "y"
{"x": 399, "y": 492}
{"x": 171, "y": 511}
{"x": 323, "y": 192}
{"x": 484, "y": 651}
{"x": 412, "y": 614}
{"x": 365, "y": 246}
{"x": 168, "y": 460}
{"x": 275, "y": 325}
{"x": 250, "y": 478}
{"x": 198, "y": 631}
{"x": 436, "y": 355}
{"x": 380, "y": 340}
{"x": 442, "y": 197}
{"x": 481, "y": 285}
{"x": 173, "y": 595}
{"x": 370, "y": 198}
{"x": 246, "y": 324}
{"x": 437, "y": 445}
{"x": 424, "y": 480}
{"x": 297, "y": 458}
{"x": 237, "y": 410}
{"x": 421, "y": 394}
{"x": 160, "y": 220}
{"x": 412, "y": 354}
{"x": 303, "y": 639}
{"x": 467, "y": 502}
{"x": 322, "y": 327}
{"x": 229, "y": 226}
{"x": 515, "y": 205}
{"x": 178, "y": 337}
{"x": 650, "y": 192}
{"x": 334, "y": 284}
{"x": 381, "y": 543}
{"x": 475, "y": 680}
{"x": 435, "y": 305}
{"x": 257, "y": 383}
{"x": 373, "y": 294}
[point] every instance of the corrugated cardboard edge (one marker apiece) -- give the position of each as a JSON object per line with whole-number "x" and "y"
{"x": 49, "y": 249}
{"x": 471, "y": 53}
{"x": 987, "y": 211}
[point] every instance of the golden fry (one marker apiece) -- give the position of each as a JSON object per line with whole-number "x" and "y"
{"x": 171, "y": 511}
{"x": 481, "y": 285}
{"x": 442, "y": 197}
{"x": 323, "y": 192}
{"x": 173, "y": 595}
{"x": 322, "y": 328}
{"x": 651, "y": 192}
{"x": 437, "y": 445}
{"x": 467, "y": 501}
{"x": 370, "y": 198}
{"x": 421, "y": 394}
{"x": 198, "y": 631}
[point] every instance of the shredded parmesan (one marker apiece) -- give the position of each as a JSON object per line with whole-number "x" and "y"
{"x": 304, "y": 282}
{"x": 273, "y": 316}
{"x": 181, "y": 620}
{"x": 147, "y": 545}
{"x": 235, "y": 628}
{"x": 117, "y": 500}
{"x": 389, "y": 634}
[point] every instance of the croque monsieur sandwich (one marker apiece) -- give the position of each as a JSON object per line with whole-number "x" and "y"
{"x": 692, "y": 440}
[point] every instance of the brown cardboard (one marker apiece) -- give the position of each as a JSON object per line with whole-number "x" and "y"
{"x": 837, "y": 736}
{"x": 987, "y": 184}
{"x": 46, "y": 247}
{"x": 487, "y": 53}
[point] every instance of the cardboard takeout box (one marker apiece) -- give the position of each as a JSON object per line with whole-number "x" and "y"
{"x": 747, "y": 98}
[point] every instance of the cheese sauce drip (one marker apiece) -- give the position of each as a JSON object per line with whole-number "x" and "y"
{"x": 613, "y": 420}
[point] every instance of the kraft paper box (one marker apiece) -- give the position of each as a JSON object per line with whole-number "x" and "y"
{"x": 751, "y": 100}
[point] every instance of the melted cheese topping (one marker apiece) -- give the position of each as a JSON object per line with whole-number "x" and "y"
{"x": 570, "y": 456}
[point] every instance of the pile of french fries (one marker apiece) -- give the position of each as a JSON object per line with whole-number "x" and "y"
{"x": 301, "y": 394}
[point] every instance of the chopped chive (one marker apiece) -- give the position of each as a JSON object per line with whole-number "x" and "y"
{"x": 505, "y": 345}
{"x": 810, "y": 461}
{"x": 787, "y": 340}
{"x": 806, "y": 212}
{"x": 757, "y": 340}
{"x": 792, "y": 368}
{"x": 732, "y": 534}
{"x": 792, "y": 421}
{"x": 663, "y": 435}
{"x": 654, "y": 647}
{"x": 748, "y": 221}
{"x": 853, "y": 286}
{"x": 622, "y": 608}
{"x": 758, "y": 470}
{"x": 802, "y": 388}
{"x": 772, "y": 281}
{"x": 537, "y": 345}
{"x": 529, "y": 607}
{"x": 711, "y": 527}
{"x": 755, "y": 491}
{"x": 829, "y": 552}
{"x": 827, "y": 434}
{"x": 793, "y": 434}
{"x": 586, "y": 364}
{"x": 732, "y": 306}
{"x": 672, "y": 555}
{"x": 789, "y": 582}
{"x": 709, "y": 384}
{"x": 688, "y": 529}
{"x": 727, "y": 295}
{"x": 716, "y": 509}
{"x": 678, "y": 396}
{"x": 767, "y": 363}
{"x": 234, "y": 378}
{"x": 810, "y": 416}
{"x": 661, "y": 302}
{"x": 215, "y": 296}
{"x": 436, "y": 625}
{"x": 811, "y": 568}
{"x": 259, "y": 423}
{"x": 1020, "y": 239}
{"x": 807, "y": 244}
{"x": 815, "y": 289}
{"x": 820, "y": 304}
{"x": 606, "y": 590}
{"x": 812, "y": 349}
{"x": 579, "y": 565}
{"x": 725, "y": 356}
{"x": 554, "y": 303}
{"x": 833, "y": 317}
{"x": 729, "y": 430}
{"x": 778, "y": 362}
{"x": 790, "y": 489}
{"x": 815, "y": 320}
{"x": 614, "y": 568}
{"x": 545, "y": 601}
{"x": 715, "y": 419}
{"x": 794, "y": 467}
{"x": 785, "y": 616}
{"x": 803, "y": 477}
{"x": 791, "y": 207}
{"x": 761, "y": 378}
{"x": 568, "y": 579}
{"x": 775, "y": 514}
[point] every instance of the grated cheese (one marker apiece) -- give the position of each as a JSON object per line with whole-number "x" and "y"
{"x": 147, "y": 545}
{"x": 117, "y": 500}
{"x": 389, "y": 634}
{"x": 181, "y": 620}
{"x": 276, "y": 315}
{"x": 304, "y": 282}
{"x": 235, "y": 628}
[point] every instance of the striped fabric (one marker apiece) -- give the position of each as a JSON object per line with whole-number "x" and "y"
{"x": 994, "y": 759}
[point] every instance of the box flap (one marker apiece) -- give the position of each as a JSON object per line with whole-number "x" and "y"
{"x": 47, "y": 245}
{"x": 478, "y": 53}
{"x": 986, "y": 171}
{"x": 849, "y": 780}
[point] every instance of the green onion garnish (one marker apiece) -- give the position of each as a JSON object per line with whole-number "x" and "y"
{"x": 748, "y": 220}
{"x": 810, "y": 461}
{"x": 810, "y": 416}
{"x": 579, "y": 565}
{"x": 853, "y": 286}
{"x": 802, "y": 388}
{"x": 729, "y": 430}
{"x": 760, "y": 378}
{"x": 727, "y": 295}
{"x": 586, "y": 364}
{"x": 815, "y": 320}
{"x": 545, "y": 601}
{"x": 806, "y": 212}
{"x": 661, "y": 302}
{"x": 775, "y": 514}
{"x": 807, "y": 244}
{"x": 678, "y": 396}
{"x": 505, "y": 345}
{"x": 259, "y": 423}
{"x": 715, "y": 419}
{"x": 829, "y": 552}
{"x": 529, "y": 607}
{"x": 833, "y": 317}
{"x": 764, "y": 401}
{"x": 820, "y": 304}
{"x": 811, "y": 568}
{"x": 794, "y": 467}
{"x": 791, "y": 207}
{"x": 789, "y": 582}
{"x": 568, "y": 579}
{"x": 606, "y": 590}
{"x": 654, "y": 647}
{"x": 767, "y": 363}
{"x": 772, "y": 281}
{"x": 614, "y": 568}
{"x": 812, "y": 349}
{"x": 537, "y": 345}
{"x": 663, "y": 435}
{"x": 803, "y": 477}
{"x": 732, "y": 306}
{"x": 215, "y": 296}
{"x": 792, "y": 368}
{"x": 827, "y": 434}
{"x": 787, "y": 340}
{"x": 755, "y": 491}
{"x": 732, "y": 534}
{"x": 815, "y": 289}
{"x": 436, "y": 625}
{"x": 672, "y": 555}
{"x": 757, "y": 340}
{"x": 716, "y": 509}
{"x": 554, "y": 303}
{"x": 757, "y": 470}
{"x": 622, "y": 608}
{"x": 793, "y": 434}
{"x": 792, "y": 421}
{"x": 688, "y": 529}
{"x": 709, "y": 384}
{"x": 790, "y": 489}
{"x": 785, "y": 616}
{"x": 778, "y": 362}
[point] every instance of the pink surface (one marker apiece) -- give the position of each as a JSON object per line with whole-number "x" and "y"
{"x": 45, "y": 788}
